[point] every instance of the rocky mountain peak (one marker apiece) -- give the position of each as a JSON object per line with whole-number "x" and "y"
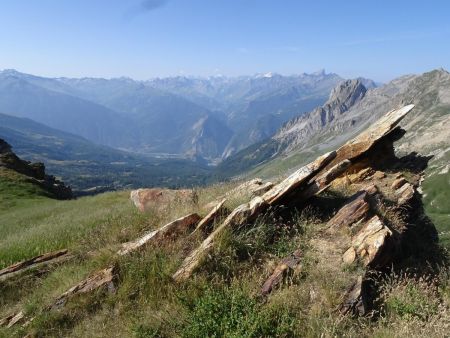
{"x": 346, "y": 94}
{"x": 342, "y": 97}
{"x": 297, "y": 132}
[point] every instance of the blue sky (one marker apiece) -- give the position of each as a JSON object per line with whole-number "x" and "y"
{"x": 148, "y": 38}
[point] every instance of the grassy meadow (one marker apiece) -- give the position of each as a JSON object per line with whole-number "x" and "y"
{"x": 221, "y": 300}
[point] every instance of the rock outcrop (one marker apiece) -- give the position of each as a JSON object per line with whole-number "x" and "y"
{"x": 171, "y": 229}
{"x": 305, "y": 182}
{"x": 103, "y": 278}
{"x": 35, "y": 172}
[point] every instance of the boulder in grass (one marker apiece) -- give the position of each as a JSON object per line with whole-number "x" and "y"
{"x": 156, "y": 198}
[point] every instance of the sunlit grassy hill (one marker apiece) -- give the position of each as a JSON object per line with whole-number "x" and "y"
{"x": 221, "y": 300}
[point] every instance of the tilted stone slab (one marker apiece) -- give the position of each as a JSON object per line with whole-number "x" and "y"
{"x": 248, "y": 211}
{"x": 355, "y": 299}
{"x": 405, "y": 193}
{"x": 334, "y": 162}
{"x": 322, "y": 182}
{"x": 263, "y": 188}
{"x": 12, "y": 319}
{"x": 357, "y": 209}
{"x": 301, "y": 176}
{"x": 32, "y": 262}
{"x": 102, "y": 278}
{"x": 289, "y": 263}
{"x": 240, "y": 215}
{"x": 398, "y": 183}
{"x": 172, "y": 228}
{"x": 218, "y": 211}
{"x": 368, "y": 138}
{"x": 369, "y": 244}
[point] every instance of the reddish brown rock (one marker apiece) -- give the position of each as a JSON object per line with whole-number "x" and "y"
{"x": 355, "y": 210}
{"x": 102, "y": 278}
{"x": 289, "y": 263}
{"x": 146, "y": 199}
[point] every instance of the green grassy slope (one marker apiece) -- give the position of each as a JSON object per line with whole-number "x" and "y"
{"x": 220, "y": 301}
{"x": 16, "y": 189}
{"x": 437, "y": 204}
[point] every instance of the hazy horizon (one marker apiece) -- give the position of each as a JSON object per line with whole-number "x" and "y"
{"x": 144, "y": 39}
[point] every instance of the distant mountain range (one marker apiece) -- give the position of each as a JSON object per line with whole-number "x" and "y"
{"x": 206, "y": 119}
{"x": 99, "y": 134}
{"x": 350, "y": 109}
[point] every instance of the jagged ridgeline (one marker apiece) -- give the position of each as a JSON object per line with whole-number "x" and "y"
{"x": 341, "y": 247}
{"x": 350, "y": 109}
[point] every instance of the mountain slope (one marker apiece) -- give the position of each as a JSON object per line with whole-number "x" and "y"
{"x": 121, "y": 113}
{"x": 85, "y": 165}
{"x": 242, "y": 103}
{"x": 208, "y": 139}
{"x": 319, "y": 131}
{"x": 158, "y": 117}
{"x": 253, "y": 106}
{"x": 21, "y": 179}
{"x": 97, "y": 123}
{"x": 295, "y": 132}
